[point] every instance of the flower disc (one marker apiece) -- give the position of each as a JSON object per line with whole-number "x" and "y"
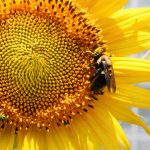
{"x": 44, "y": 62}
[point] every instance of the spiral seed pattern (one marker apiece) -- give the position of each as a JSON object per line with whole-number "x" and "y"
{"x": 44, "y": 64}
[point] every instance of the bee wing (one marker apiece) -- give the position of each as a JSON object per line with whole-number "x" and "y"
{"x": 113, "y": 81}
{"x": 109, "y": 76}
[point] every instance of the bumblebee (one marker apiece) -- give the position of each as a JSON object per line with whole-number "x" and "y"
{"x": 103, "y": 75}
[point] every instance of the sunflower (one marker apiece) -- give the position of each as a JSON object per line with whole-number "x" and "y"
{"x": 64, "y": 78}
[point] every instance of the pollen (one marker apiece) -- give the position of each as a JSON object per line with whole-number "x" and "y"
{"x": 45, "y": 51}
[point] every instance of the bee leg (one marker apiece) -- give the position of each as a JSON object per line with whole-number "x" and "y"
{"x": 96, "y": 74}
{"x": 99, "y": 92}
{"x": 93, "y": 96}
{"x": 93, "y": 65}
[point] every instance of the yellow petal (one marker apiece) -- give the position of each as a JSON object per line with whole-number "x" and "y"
{"x": 120, "y": 134}
{"x": 50, "y": 138}
{"x": 102, "y": 125}
{"x": 20, "y": 139}
{"x": 82, "y": 136}
{"x": 123, "y": 113}
{"x": 132, "y": 96}
{"x": 103, "y": 8}
{"x": 7, "y": 136}
{"x": 33, "y": 139}
{"x": 127, "y": 31}
{"x": 131, "y": 70}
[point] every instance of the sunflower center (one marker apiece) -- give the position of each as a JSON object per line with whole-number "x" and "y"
{"x": 44, "y": 67}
